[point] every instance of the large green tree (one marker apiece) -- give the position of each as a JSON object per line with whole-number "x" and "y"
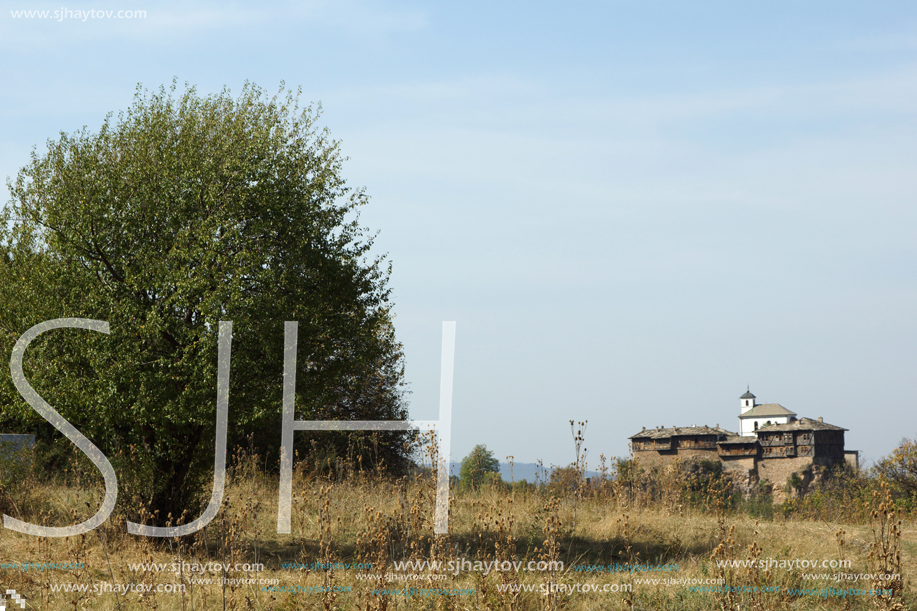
{"x": 478, "y": 467}
{"x": 181, "y": 212}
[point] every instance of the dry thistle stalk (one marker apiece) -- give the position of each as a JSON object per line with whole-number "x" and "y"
{"x": 884, "y": 557}
{"x": 724, "y": 551}
{"x": 624, "y": 527}
{"x": 753, "y": 576}
{"x": 505, "y": 550}
{"x": 550, "y": 551}
{"x": 372, "y": 548}
{"x": 326, "y": 547}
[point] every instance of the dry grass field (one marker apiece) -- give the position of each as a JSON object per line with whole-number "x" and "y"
{"x": 600, "y": 531}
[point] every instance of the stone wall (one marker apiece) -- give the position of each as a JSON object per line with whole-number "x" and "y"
{"x": 652, "y": 458}
{"x": 777, "y": 471}
{"x": 852, "y": 458}
{"x": 739, "y": 463}
{"x": 747, "y": 471}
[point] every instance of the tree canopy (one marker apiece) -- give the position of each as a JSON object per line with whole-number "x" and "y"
{"x": 900, "y": 468}
{"x": 181, "y": 212}
{"x": 477, "y": 465}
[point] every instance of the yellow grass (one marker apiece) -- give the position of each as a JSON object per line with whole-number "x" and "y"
{"x": 366, "y": 518}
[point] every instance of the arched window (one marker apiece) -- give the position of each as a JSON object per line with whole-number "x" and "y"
{"x": 756, "y": 425}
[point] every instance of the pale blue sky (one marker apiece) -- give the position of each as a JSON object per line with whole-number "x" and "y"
{"x": 631, "y": 209}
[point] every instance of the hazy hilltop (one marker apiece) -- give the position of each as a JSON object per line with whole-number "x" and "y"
{"x": 528, "y": 471}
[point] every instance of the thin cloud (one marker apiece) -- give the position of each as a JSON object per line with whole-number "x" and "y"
{"x": 366, "y": 17}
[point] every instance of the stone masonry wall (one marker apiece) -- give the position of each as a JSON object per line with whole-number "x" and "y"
{"x": 652, "y": 458}
{"x": 749, "y": 470}
{"x": 740, "y": 464}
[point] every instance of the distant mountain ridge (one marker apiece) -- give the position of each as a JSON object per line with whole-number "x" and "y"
{"x": 527, "y": 471}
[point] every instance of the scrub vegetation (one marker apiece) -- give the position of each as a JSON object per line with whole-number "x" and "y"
{"x": 683, "y": 522}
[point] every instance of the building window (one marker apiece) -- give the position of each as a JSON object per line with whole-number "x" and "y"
{"x": 756, "y": 425}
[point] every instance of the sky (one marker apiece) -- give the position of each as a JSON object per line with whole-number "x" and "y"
{"x": 633, "y": 211}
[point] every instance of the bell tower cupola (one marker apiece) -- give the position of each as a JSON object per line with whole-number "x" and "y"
{"x": 747, "y": 401}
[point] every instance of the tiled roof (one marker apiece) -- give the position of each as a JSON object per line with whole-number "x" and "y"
{"x": 767, "y": 409}
{"x": 803, "y": 424}
{"x": 736, "y": 440}
{"x": 679, "y": 431}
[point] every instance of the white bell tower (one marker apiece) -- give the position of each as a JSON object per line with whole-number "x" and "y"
{"x": 747, "y": 401}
